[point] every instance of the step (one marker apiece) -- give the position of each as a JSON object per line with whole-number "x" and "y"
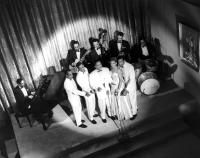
{"x": 11, "y": 148}
{"x": 136, "y": 129}
{"x": 141, "y": 141}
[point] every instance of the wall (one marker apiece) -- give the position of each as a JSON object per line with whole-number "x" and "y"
{"x": 162, "y": 15}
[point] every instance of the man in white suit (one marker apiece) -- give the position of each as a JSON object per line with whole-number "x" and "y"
{"x": 82, "y": 79}
{"x": 99, "y": 80}
{"x": 130, "y": 88}
{"x": 74, "y": 97}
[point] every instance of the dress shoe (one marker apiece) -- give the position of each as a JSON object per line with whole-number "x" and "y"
{"x": 113, "y": 117}
{"x": 83, "y": 121}
{"x": 95, "y": 115}
{"x": 93, "y": 122}
{"x": 134, "y": 116}
{"x": 104, "y": 120}
{"x": 83, "y": 126}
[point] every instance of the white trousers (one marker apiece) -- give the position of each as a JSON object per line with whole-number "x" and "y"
{"x": 133, "y": 101}
{"x": 103, "y": 102}
{"x": 90, "y": 104}
{"x": 77, "y": 108}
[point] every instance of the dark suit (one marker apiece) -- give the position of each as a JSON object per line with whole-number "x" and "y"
{"x": 136, "y": 52}
{"x": 113, "y": 48}
{"x": 71, "y": 56}
{"x": 21, "y": 100}
{"x": 93, "y": 56}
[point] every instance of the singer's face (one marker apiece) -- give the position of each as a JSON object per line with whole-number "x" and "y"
{"x": 121, "y": 62}
{"x": 82, "y": 68}
{"x": 113, "y": 64}
{"x": 69, "y": 75}
{"x": 76, "y": 46}
{"x": 98, "y": 65}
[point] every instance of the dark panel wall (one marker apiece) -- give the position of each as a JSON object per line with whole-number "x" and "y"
{"x": 163, "y": 15}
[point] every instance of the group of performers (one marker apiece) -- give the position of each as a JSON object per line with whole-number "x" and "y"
{"x": 105, "y": 77}
{"x": 102, "y": 75}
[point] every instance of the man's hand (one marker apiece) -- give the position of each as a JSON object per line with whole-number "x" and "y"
{"x": 124, "y": 92}
{"x": 30, "y": 96}
{"x": 107, "y": 92}
{"x": 92, "y": 91}
{"x": 73, "y": 64}
{"x": 116, "y": 91}
{"x": 99, "y": 89}
{"x": 87, "y": 94}
{"x": 32, "y": 93}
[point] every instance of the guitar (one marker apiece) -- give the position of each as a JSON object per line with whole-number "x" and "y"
{"x": 73, "y": 67}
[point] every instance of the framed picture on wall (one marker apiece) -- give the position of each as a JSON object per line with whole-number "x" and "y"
{"x": 188, "y": 38}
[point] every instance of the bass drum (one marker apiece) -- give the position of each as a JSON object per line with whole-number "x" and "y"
{"x": 148, "y": 83}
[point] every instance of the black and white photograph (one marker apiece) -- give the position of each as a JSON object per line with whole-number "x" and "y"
{"x": 99, "y": 79}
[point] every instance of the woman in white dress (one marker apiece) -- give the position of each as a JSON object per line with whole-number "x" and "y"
{"x": 120, "y": 105}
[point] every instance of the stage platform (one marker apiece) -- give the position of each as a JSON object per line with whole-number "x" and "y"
{"x": 63, "y": 137}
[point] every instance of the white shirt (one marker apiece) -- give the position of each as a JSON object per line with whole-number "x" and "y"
{"x": 100, "y": 79}
{"x": 71, "y": 88}
{"x": 145, "y": 51}
{"x": 24, "y": 91}
{"x": 82, "y": 79}
{"x": 119, "y": 46}
{"x": 129, "y": 76}
{"x": 78, "y": 54}
{"x": 98, "y": 51}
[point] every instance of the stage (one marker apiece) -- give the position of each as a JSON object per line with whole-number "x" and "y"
{"x": 64, "y": 139}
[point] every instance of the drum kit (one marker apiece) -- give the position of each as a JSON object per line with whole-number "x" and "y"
{"x": 146, "y": 77}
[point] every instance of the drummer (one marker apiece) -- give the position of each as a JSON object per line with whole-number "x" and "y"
{"x": 142, "y": 51}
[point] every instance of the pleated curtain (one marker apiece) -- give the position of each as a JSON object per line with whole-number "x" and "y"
{"x": 35, "y": 34}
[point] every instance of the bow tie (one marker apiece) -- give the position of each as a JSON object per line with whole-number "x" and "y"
{"x": 99, "y": 70}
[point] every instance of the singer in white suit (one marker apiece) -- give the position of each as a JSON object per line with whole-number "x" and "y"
{"x": 74, "y": 97}
{"x": 130, "y": 89}
{"x": 82, "y": 79}
{"x": 99, "y": 80}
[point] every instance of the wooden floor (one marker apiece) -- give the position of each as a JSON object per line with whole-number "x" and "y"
{"x": 63, "y": 134}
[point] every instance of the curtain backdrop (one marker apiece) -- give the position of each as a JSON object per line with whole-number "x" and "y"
{"x": 35, "y": 34}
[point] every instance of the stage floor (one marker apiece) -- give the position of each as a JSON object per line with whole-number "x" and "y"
{"x": 63, "y": 134}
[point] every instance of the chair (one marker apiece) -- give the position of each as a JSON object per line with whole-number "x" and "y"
{"x": 18, "y": 115}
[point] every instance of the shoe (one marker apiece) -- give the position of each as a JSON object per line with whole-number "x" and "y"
{"x": 113, "y": 117}
{"x": 134, "y": 116}
{"x": 83, "y": 126}
{"x": 104, "y": 120}
{"x": 93, "y": 122}
{"x": 83, "y": 121}
{"x": 95, "y": 115}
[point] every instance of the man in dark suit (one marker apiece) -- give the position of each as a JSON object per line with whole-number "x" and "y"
{"x": 74, "y": 54}
{"x": 118, "y": 46}
{"x": 23, "y": 97}
{"x": 142, "y": 51}
{"x": 97, "y": 53}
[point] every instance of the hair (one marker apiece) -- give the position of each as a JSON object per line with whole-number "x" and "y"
{"x": 119, "y": 33}
{"x": 67, "y": 71}
{"x": 113, "y": 59}
{"x": 121, "y": 57}
{"x": 19, "y": 80}
{"x": 78, "y": 64}
{"x": 96, "y": 61}
{"x": 73, "y": 42}
{"x": 95, "y": 40}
